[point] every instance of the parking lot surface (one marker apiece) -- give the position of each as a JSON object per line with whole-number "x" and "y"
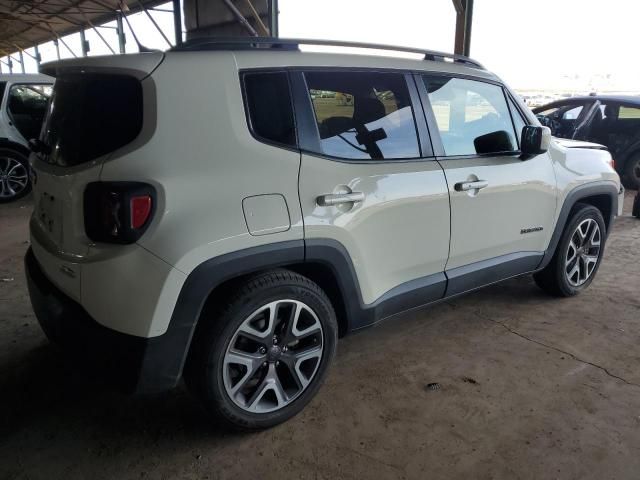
{"x": 527, "y": 386}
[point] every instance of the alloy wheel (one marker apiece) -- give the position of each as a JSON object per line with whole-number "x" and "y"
{"x": 273, "y": 356}
{"x": 13, "y": 177}
{"x": 583, "y": 252}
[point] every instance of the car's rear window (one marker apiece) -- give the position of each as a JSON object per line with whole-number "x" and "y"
{"x": 92, "y": 115}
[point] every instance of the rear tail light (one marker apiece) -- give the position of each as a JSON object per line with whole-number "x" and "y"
{"x": 118, "y": 212}
{"x": 612, "y": 163}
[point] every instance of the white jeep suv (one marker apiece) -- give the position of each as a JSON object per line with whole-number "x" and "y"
{"x": 23, "y": 104}
{"x": 220, "y": 212}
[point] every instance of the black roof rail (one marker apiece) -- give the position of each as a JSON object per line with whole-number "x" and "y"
{"x": 250, "y": 43}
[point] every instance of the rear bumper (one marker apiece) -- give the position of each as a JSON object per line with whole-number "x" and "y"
{"x": 133, "y": 364}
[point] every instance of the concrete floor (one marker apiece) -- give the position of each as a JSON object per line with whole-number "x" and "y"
{"x": 531, "y": 387}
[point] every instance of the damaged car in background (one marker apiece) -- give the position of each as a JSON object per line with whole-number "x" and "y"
{"x": 610, "y": 120}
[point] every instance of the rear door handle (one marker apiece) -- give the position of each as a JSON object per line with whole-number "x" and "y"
{"x": 466, "y": 186}
{"x": 339, "y": 198}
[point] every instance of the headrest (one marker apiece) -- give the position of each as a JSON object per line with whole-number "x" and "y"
{"x": 367, "y": 110}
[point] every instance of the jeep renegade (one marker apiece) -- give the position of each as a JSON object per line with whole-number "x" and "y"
{"x": 223, "y": 212}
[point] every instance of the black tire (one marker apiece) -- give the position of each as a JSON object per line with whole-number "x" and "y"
{"x": 553, "y": 278}
{"x": 631, "y": 175}
{"x": 9, "y": 155}
{"x": 635, "y": 210}
{"x": 204, "y": 369}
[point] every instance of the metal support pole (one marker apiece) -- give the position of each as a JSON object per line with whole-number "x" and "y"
{"x": 10, "y": 65}
{"x": 468, "y": 22}
{"x": 464, "y": 21}
{"x": 67, "y": 47}
{"x": 177, "y": 21}
{"x": 240, "y": 18}
{"x": 84, "y": 45}
{"x": 273, "y": 18}
{"x": 21, "y": 61}
{"x": 55, "y": 42}
{"x": 37, "y": 56}
{"x": 155, "y": 24}
{"x": 121, "y": 38}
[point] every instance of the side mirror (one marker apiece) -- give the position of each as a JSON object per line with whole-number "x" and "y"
{"x": 534, "y": 141}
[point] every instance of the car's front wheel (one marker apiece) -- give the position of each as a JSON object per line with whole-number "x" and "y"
{"x": 14, "y": 175}
{"x": 263, "y": 356}
{"x": 577, "y": 256}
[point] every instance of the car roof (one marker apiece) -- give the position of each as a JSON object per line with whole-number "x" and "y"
{"x": 256, "y": 52}
{"x": 25, "y": 77}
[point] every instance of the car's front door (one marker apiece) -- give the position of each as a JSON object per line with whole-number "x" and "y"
{"x": 371, "y": 185}
{"x": 502, "y": 208}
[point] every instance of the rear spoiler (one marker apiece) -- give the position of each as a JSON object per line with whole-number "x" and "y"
{"x": 139, "y": 65}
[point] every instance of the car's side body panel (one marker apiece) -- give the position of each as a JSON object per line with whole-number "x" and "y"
{"x": 499, "y": 219}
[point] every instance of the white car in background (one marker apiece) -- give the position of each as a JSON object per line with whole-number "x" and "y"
{"x": 23, "y": 105}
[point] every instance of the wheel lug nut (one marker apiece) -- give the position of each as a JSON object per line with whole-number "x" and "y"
{"x": 264, "y": 364}
{"x": 263, "y": 350}
{"x": 277, "y": 364}
{"x": 275, "y": 340}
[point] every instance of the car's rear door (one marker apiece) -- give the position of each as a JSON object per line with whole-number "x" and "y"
{"x": 370, "y": 184}
{"x": 502, "y": 208}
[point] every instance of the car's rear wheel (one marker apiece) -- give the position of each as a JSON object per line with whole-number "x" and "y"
{"x": 14, "y": 175}
{"x": 262, "y": 358}
{"x": 632, "y": 172}
{"x": 577, "y": 256}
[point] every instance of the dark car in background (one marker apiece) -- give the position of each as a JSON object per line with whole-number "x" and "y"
{"x": 611, "y": 120}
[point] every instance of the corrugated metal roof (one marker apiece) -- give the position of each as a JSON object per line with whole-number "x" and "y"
{"x": 25, "y": 23}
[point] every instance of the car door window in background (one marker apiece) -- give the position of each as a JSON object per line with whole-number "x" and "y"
{"x": 572, "y": 113}
{"x": 562, "y": 119}
{"x": 27, "y": 106}
{"x": 472, "y": 117}
{"x": 628, "y": 113}
{"x": 363, "y": 115}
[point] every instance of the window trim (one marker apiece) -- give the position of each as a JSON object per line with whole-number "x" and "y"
{"x": 433, "y": 125}
{"x": 309, "y": 136}
{"x": 247, "y": 114}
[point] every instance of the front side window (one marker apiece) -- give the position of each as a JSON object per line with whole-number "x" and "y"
{"x": 572, "y": 113}
{"x": 268, "y": 103}
{"x": 472, "y": 117}
{"x": 518, "y": 121}
{"x": 27, "y": 107}
{"x": 363, "y": 115}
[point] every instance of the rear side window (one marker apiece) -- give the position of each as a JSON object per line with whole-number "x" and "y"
{"x": 628, "y": 113}
{"x": 92, "y": 115}
{"x": 363, "y": 115}
{"x": 269, "y": 110}
{"x": 472, "y": 117}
